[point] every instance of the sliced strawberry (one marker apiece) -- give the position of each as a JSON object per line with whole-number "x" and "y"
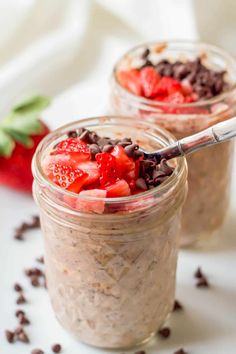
{"x": 67, "y": 177}
{"x": 130, "y": 79}
{"x": 76, "y": 148}
{"x": 107, "y": 167}
{"x": 149, "y": 80}
{"x": 126, "y": 165}
{"x": 91, "y": 168}
{"x": 175, "y": 98}
{"x": 91, "y": 206}
{"x": 167, "y": 85}
{"x": 118, "y": 189}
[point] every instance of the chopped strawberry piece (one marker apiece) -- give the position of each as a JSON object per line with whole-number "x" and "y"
{"x": 126, "y": 165}
{"x": 67, "y": 177}
{"x": 149, "y": 79}
{"x": 175, "y": 98}
{"x": 76, "y": 148}
{"x": 168, "y": 85}
{"x": 108, "y": 168}
{"x": 91, "y": 168}
{"x": 130, "y": 79}
{"x": 118, "y": 189}
{"x": 91, "y": 206}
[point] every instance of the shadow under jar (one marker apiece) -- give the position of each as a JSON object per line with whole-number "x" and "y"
{"x": 111, "y": 276}
{"x": 210, "y": 169}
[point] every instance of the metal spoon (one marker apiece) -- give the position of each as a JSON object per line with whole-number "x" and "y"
{"x": 216, "y": 134}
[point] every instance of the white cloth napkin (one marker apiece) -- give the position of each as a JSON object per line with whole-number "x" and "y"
{"x": 47, "y": 46}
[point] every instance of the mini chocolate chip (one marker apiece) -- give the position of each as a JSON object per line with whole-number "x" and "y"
{"x": 35, "y": 281}
{"x": 202, "y": 283}
{"x": 124, "y": 143}
{"x": 18, "y": 330}
{"x": 10, "y": 336}
{"x": 129, "y": 150}
{"x": 107, "y": 148}
{"x": 164, "y": 332}
{"x": 18, "y": 287}
{"x": 19, "y": 313}
{"x": 137, "y": 154}
{"x": 145, "y": 53}
{"x": 198, "y": 273}
{"x": 37, "y": 351}
{"x": 95, "y": 149}
{"x": 84, "y": 135}
{"x": 141, "y": 184}
{"x": 40, "y": 260}
{"x": 22, "y": 337}
{"x": 21, "y": 300}
{"x": 180, "y": 351}
{"x": 56, "y": 348}
{"x": 72, "y": 134}
{"x": 177, "y": 306}
{"x": 23, "y": 320}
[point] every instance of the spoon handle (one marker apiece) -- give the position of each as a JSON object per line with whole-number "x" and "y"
{"x": 216, "y": 134}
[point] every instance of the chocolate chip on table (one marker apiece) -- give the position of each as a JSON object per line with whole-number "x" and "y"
{"x": 56, "y": 348}
{"x": 18, "y": 287}
{"x": 21, "y": 300}
{"x": 23, "y": 320}
{"x": 25, "y": 226}
{"x": 164, "y": 332}
{"x": 177, "y": 306}
{"x": 198, "y": 273}
{"x": 37, "y": 351}
{"x": 10, "y": 336}
{"x": 202, "y": 283}
{"x": 40, "y": 260}
{"x": 35, "y": 281}
{"x": 19, "y": 313}
{"x": 180, "y": 351}
{"x": 21, "y": 335}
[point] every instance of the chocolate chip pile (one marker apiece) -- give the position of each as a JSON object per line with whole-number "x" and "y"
{"x": 151, "y": 173}
{"x": 206, "y": 83}
{"x": 25, "y": 226}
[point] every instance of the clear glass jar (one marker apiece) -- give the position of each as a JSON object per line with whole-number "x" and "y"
{"x": 111, "y": 276}
{"x": 210, "y": 169}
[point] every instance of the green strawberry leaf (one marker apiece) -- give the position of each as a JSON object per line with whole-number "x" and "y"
{"x": 32, "y": 105}
{"x": 6, "y": 144}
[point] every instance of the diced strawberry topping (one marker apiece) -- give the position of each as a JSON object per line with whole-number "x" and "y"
{"x": 167, "y": 86}
{"x": 91, "y": 168}
{"x": 93, "y": 206}
{"x": 108, "y": 168}
{"x": 118, "y": 189}
{"x": 76, "y": 148}
{"x": 130, "y": 79}
{"x": 149, "y": 80}
{"x": 67, "y": 177}
{"x": 126, "y": 164}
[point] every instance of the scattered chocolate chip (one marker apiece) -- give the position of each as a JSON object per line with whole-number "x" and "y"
{"x": 40, "y": 260}
{"x": 33, "y": 224}
{"x": 18, "y": 287}
{"x": 72, "y": 134}
{"x": 37, "y": 351}
{"x": 23, "y": 320}
{"x": 202, "y": 283}
{"x": 145, "y": 53}
{"x": 21, "y": 300}
{"x": 95, "y": 149}
{"x": 10, "y": 336}
{"x": 198, "y": 273}
{"x": 180, "y": 351}
{"x": 164, "y": 332}
{"x": 84, "y": 136}
{"x": 33, "y": 272}
{"x": 19, "y": 313}
{"x": 21, "y": 335}
{"x": 177, "y": 306}
{"x": 107, "y": 148}
{"x": 56, "y": 348}
{"x": 35, "y": 281}
{"x": 130, "y": 149}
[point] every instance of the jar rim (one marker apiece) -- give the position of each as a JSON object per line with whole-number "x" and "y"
{"x": 187, "y": 43}
{"x": 42, "y": 179}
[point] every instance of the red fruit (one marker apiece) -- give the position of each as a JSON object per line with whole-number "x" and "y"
{"x": 108, "y": 168}
{"x": 130, "y": 79}
{"x": 126, "y": 165}
{"x": 15, "y": 171}
{"x": 91, "y": 206}
{"x": 91, "y": 168}
{"x": 168, "y": 85}
{"x": 149, "y": 80}
{"x": 67, "y": 177}
{"x": 118, "y": 189}
{"x": 76, "y": 148}
{"x": 175, "y": 98}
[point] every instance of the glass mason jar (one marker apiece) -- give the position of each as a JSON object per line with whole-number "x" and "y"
{"x": 111, "y": 276}
{"x": 210, "y": 169}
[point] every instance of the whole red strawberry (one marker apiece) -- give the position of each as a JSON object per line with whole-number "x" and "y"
{"x": 20, "y": 133}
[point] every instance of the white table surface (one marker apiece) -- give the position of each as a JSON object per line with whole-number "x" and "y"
{"x": 206, "y": 326}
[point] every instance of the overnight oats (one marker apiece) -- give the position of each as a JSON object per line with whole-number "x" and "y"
{"x": 184, "y": 87}
{"x": 111, "y": 221}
